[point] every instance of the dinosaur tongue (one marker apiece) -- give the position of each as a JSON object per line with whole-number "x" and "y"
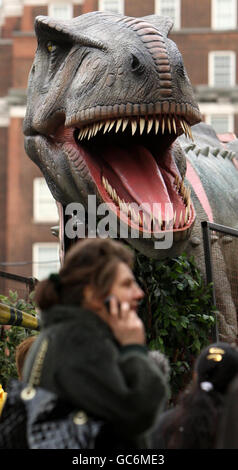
{"x": 136, "y": 176}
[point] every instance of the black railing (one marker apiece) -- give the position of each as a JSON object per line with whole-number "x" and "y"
{"x": 217, "y": 233}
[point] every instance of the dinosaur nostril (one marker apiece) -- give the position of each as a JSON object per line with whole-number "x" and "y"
{"x": 136, "y": 65}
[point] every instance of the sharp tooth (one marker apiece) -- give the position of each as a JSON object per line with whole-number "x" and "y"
{"x": 150, "y": 125}
{"x": 142, "y": 125}
{"x": 90, "y": 133}
{"x": 186, "y": 128}
{"x": 183, "y": 189}
{"x": 118, "y": 125}
{"x": 180, "y": 219}
{"x": 157, "y": 126}
{"x": 133, "y": 126}
{"x": 103, "y": 181}
{"x": 120, "y": 203}
{"x": 115, "y": 197}
{"x": 94, "y": 131}
{"x": 190, "y": 132}
{"x": 106, "y": 126}
{"x": 188, "y": 195}
{"x": 101, "y": 124}
{"x": 129, "y": 210}
{"x": 125, "y": 207}
{"x": 163, "y": 125}
{"x": 111, "y": 125}
{"x": 182, "y": 125}
{"x": 85, "y": 132}
{"x": 186, "y": 216}
{"x": 185, "y": 194}
{"x": 110, "y": 191}
{"x": 80, "y": 134}
{"x": 107, "y": 185}
{"x": 169, "y": 125}
{"x": 174, "y": 126}
{"x": 125, "y": 123}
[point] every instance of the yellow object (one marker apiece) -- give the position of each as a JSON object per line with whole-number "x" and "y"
{"x": 12, "y": 316}
{"x": 3, "y": 396}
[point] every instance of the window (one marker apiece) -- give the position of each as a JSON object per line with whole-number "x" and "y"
{"x": 112, "y": 6}
{"x": 224, "y": 14}
{"x": 221, "y": 123}
{"x": 222, "y": 69}
{"x": 45, "y": 258}
{"x": 44, "y": 205}
{"x": 169, "y": 8}
{"x": 61, "y": 11}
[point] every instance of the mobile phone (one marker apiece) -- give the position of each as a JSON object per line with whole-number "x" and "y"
{"x": 107, "y": 303}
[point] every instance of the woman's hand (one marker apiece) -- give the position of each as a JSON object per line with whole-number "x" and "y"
{"x": 125, "y": 324}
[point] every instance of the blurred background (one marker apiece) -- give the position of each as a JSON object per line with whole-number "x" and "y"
{"x": 206, "y": 34}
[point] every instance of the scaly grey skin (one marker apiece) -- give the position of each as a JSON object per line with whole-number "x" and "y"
{"x": 110, "y": 109}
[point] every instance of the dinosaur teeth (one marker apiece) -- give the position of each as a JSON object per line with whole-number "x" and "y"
{"x": 106, "y": 126}
{"x": 169, "y": 125}
{"x": 174, "y": 126}
{"x": 157, "y": 123}
{"x": 155, "y": 222}
{"x": 119, "y": 122}
{"x": 144, "y": 124}
{"x": 111, "y": 125}
{"x": 150, "y": 125}
{"x": 133, "y": 126}
{"x": 124, "y": 125}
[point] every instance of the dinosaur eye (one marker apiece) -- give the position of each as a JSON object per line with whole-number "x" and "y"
{"x": 50, "y": 46}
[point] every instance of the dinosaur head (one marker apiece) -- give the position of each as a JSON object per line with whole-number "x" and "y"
{"x": 107, "y": 97}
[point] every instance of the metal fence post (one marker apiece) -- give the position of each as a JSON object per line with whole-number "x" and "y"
{"x": 209, "y": 271}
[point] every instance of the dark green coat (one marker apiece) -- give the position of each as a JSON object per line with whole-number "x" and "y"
{"x": 86, "y": 367}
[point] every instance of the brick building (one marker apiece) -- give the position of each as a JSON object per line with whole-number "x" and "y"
{"x": 206, "y": 34}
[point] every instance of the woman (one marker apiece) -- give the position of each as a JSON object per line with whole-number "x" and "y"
{"x": 97, "y": 360}
{"x": 194, "y": 422}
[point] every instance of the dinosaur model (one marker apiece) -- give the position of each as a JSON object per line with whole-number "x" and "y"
{"x": 109, "y": 113}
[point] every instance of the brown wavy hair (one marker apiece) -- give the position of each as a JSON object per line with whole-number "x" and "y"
{"x": 21, "y": 352}
{"x": 90, "y": 262}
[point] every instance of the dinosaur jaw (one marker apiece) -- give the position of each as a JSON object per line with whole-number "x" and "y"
{"x": 132, "y": 167}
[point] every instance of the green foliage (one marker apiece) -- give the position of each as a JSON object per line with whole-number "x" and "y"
{"x": 9, "y": 339}
{"x": 177, "y": 311}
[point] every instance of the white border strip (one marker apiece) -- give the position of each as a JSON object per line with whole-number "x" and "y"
{"x": 17, "y": 111}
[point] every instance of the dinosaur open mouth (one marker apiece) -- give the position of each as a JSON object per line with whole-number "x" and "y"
{"x": 130, "y": 161}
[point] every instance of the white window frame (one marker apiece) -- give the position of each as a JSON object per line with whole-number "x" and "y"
{"x": 69, "y": 7}
{"x": 35, "y": 258}
{"x": 214, "y": 16}
{"x": 38, "y": 217}
{"x": 159, "y": 11}
{"x": 211, "y": 75}
{"x": 121, "y": 6}
{"x": 228, "y": 109}
{"x": 230, "y": 120}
